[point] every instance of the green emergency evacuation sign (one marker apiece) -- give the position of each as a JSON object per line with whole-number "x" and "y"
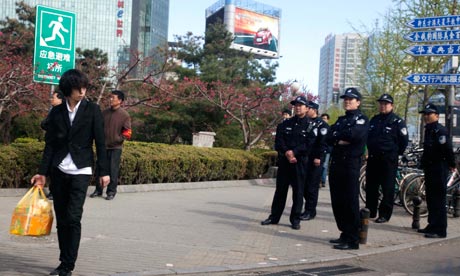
{"x": 54, "y": 51}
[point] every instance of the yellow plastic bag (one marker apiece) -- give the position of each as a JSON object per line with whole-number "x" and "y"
{"x": 33, "y": 215}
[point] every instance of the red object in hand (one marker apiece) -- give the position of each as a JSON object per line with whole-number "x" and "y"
{"x": 127, "y": 132}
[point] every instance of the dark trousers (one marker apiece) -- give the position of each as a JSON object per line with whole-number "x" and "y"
{"x": 435, "y": 188}
{"x": 114, "y": 157}
{"x": 381, "y": 174}
{"x": 312, "y": 187}
{"x": 344, "y": 188}
{"x": 289, "y": 175}
{"x": 69, "y": 193}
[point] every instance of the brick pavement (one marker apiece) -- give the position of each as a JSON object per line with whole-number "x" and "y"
{"x": 194, "y": 228}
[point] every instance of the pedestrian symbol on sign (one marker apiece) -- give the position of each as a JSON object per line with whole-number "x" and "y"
{"x": 55, "y": 30}
{"x": 57, "y": 27}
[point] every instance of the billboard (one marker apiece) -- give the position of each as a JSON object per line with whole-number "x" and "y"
{"x": 256, "y": 33}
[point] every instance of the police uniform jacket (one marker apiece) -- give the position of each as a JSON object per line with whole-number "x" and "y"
{"x": 352, "y": 128}
{"x": 294, "y": 134}
{"x": 387, "y": 135}
{"x": 320, "y": 146}
{"x": 437, "y": 147}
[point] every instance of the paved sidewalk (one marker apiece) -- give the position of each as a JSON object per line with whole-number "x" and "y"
{"x": 213, "y": 226}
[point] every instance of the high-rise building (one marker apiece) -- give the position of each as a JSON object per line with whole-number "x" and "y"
{"x": 340, "y": 66}
{"x": 117, "y": 27}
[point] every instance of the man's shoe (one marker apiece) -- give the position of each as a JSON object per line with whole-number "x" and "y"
{"x": 307, "y": 216}
{"x": 424, "y": 230}
{"x": 435, "y": 236}
{"x": 339, "y": 240}
{"x": 56, "y": 271}
{"x": 95, "y": 194}
{"x": 110, "y": 197}
{"x": 296, "y": 226}
{"x": 61, "y": 271}
{"x": 381, "y": 220}
{"x": 65, "y": 272}
{"x": 347, "y": 246}
{"x": 268, "y": 222}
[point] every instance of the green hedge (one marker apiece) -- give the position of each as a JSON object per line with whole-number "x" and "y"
{"x": 143, "y": 163}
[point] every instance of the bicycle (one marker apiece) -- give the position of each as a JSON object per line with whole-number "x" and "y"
{"x": 407, "y": 169}
{"x": 416, "y": 187}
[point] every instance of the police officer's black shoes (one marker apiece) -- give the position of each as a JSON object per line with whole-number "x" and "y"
{"x": 435, "y": 236}
{"x": 110, "y": 197}
{"x": 424, "y": 230}
{"x": 339, "y": 240}
{"x": 268, "y": 222}
{"x": 295, "y": 226}
{"x": 347, "y": 246}
{"x": 381, "y": 220}
{"x": 95, "y": 194}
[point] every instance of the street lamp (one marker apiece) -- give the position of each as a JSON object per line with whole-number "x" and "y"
{"x": 295, "y": 88}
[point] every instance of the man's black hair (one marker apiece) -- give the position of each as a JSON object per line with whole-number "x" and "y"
{"x": 59, "y": 94}
{"x": 72, "y": 79}
{"x": 325, "y": 114}
{"x": 120, "y": 94}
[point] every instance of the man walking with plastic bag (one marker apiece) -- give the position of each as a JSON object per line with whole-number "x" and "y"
{"x": 68, "y": 160}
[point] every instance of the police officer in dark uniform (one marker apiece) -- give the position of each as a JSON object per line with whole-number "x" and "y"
{"x": 293, "y": 141}
{"x": 315, "y": 162}
{"x": 348, "y": 138}
{"x": 386, "y": 140}
{"x": 437, "y": 159}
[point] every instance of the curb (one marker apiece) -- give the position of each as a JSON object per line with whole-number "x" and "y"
{"x": 139, "y": 188}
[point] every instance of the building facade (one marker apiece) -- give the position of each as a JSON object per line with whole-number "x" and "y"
{"x": 117, "y": 27}
{"x": 340, "y": 66}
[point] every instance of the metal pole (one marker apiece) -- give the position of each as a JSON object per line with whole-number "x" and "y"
{"x": 53, "y": 87}
{"x": 450, "y": 110}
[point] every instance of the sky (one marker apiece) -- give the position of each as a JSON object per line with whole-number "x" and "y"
{"x": 304, "y": 26}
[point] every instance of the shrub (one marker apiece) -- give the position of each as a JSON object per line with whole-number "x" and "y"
{"x": 143, "y": 163}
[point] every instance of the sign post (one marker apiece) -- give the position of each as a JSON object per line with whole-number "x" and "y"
{"x": 54, "y": 51}
{"x": 448, "y": 78}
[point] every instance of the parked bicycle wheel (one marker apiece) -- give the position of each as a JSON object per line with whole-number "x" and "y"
{"x": 403, "y": 183}
{"x": 451, "y": 190}
{"x": 416, "y": 187}
{"x": 362, "y": 188}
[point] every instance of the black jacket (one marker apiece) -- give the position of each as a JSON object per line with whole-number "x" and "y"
{"x": 437, "y": 147}
{"x": 320, "y": 146}
{"x": 387, "y": 134}
{"x": 62, "y": 138}
{"x": 294, "y": 134}
{"x": 352, "y": 128}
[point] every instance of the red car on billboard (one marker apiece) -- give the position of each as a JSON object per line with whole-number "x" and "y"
{"x": 263, "y": 37}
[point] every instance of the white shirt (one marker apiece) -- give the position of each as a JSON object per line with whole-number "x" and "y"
{"x": 67, "y": 165}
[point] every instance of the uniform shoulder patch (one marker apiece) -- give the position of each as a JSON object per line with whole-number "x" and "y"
{"x": 442, "y": 139}
{"x": 323, "y": 131}
{"x": 404, "y": 131}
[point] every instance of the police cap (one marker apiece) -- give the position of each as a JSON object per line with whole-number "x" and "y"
{"x": 313, "y": 105}
{"x": 300, "y": 100}
{"x": 386, "y": 98}
{"x": 351, "y": 92}
{"x": 430, "y": 108}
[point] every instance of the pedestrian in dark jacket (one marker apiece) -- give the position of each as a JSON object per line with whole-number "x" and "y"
{"x": 348, "y": 138}
{"x": 315, "y": 162}
{"x": 437, "y": 159}
{"x": 293, "y": 141}
{"x": 68, "y": 159}
{"x": 387, "y": 139}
